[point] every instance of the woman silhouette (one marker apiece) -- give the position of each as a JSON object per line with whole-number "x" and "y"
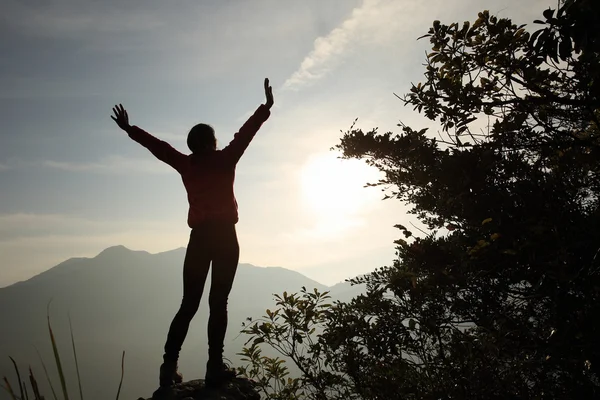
{"x": 208, "y": 175}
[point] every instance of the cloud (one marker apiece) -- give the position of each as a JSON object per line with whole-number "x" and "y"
{"x": 375, "y": 22}
{"x": 67, "y": 17}
{"x": 112, "y": 165}
{"x": 16, "y": 226}
{"x": 392, "y": 26}
{"x": 169, "y": 136}
{"x": 326, "y": 49}
{"x": 4, "y": 167}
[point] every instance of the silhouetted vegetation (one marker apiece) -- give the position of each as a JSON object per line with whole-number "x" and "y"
{"x": 21, "y": 384}
{"x": 500, "y": 298}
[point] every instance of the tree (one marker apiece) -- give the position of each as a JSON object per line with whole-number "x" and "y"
{"x": 500, "y": 298}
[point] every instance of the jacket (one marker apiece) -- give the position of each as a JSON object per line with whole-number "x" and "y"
{"x": 208, "y": 177}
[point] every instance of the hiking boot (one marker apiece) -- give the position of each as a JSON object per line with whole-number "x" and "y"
{"x": 218, "y": 373}
{"x": 169, "y": 374}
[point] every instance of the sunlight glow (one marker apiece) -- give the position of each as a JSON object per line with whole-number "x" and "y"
{"x": 333, "y": 189}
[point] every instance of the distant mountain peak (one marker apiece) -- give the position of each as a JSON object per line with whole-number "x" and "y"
{"x": 114, "y": 251}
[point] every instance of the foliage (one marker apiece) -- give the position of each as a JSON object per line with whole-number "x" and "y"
{"x": 500, "y": 299}
{"x": 23, "y": 393}
{"x": 293, "y": 330}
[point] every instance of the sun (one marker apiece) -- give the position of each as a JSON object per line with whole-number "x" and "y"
{"x": 334, "y": 189}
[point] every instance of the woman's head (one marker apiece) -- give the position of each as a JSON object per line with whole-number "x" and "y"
{"x": 202, "y": 138}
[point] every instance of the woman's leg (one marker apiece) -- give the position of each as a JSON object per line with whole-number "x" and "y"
{"x": 195, "y": 270}
{"x": 225, "y": 261}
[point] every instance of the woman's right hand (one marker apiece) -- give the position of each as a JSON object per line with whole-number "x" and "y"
{"x": 121, "y": 117}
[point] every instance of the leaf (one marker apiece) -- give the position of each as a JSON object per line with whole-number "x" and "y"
{"x": 122, "y": 374}
{"x": 401, "y": 242}
{"x": 486, "y": 221}
{"x": 76, "y": 362}
{"x": 548, "y": 14}
{"x": 519, "y": 33}
{"x": 478, "y": 22}
{"x": 18, "y": 376}
{"x": 8, "y": 388}
{"x": 565, "y": 48}
{"x": 61, "y": 374}
{"x": 412, "y": 324}
{"x": 47, "y": 375}
{"x": 34, "y": 386}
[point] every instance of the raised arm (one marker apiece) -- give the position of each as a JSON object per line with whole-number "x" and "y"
{"x": 244, "y": 136}
{"x": 161, "y": 149}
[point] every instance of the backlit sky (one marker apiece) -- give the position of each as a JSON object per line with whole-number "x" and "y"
{"x": 73, "y": 184}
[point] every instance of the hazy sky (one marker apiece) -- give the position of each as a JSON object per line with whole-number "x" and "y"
{"x": 72, "y": 183}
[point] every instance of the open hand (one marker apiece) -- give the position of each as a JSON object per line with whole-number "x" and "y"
{"x": 121, "y": 117}
{"x": 268, "y": 93}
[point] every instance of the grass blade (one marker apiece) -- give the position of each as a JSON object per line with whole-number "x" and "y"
{"x": 25, "y": 389}
{"x": 9, "y": 389}
{"x": 34, "y": 386}
{"x": 122, "y": 374}
{"x": 76, "y": 363}
{"x": 57, "y": 358}
{"x": 18, "y": 376}
{"x": 47, "y": 376}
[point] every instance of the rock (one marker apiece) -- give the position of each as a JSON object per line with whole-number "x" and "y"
{"x": 236, "y": 389}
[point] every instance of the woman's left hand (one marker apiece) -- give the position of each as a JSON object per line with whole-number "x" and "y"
{"x": 268, "y": 93}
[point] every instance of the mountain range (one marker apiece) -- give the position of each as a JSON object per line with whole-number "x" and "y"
{"x": 124, "y": 300}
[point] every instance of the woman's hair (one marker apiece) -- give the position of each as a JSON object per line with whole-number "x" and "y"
{"x": 202, "y": 138}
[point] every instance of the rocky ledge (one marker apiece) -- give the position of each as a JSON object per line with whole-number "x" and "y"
{"x": 237, "y": 389}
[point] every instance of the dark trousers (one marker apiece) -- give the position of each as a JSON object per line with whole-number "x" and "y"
{"x": 216, "y": 242}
